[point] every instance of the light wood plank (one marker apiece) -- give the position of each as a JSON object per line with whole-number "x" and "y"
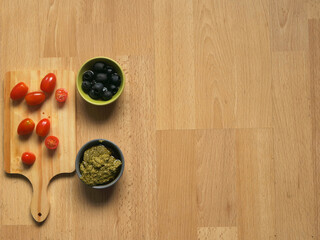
{"x": 216, "y": 177}
{"x": 233, "y": 64}
{"x": 176, "y": 165}
{"x": 174, "y": 64}
{"x": 217, "y": 233}
{"x": 295, "y": 198}
{"x": 314, "y": 57}
{"x": 57, "y": 25}
{"x": 19, "y": 232}
{"x": 133, "y": 28}
{"x": 289, "y": 25}
{"x": 215, "y": 74}
{"x": 253, "y": 106}
{"x": 95, "y": 12}
{"x": 15, "y": 39}
{"x": 313, "y": 9}
{"x": 255, "y": 184}
{"x": 95, "y": 41}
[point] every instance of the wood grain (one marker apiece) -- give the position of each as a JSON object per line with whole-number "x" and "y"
{"x": 255, "y": 184}
{"x": 217, "y": 233}
{"x": 176, "y": 194}
{"x": 215, "y": 86}
{"x": 289, "y": 25}
{"x": 253, "y": 78}
{"x": 314, "y": 53}
{"x": 233, "y": 62}
{"x": 174, "y": 67}
{"x": 216, "y": 202}
{"x": 313, "y": 9}
{"x": 48, "y": 163}
{"x": 293, "y": 147}
{"x": 218, "y": 121}
{"x": 54, "y": 42}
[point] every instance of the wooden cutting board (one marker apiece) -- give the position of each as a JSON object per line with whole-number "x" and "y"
{"x": 49, "y": 163}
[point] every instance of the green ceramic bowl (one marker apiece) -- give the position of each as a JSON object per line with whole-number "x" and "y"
{"x": 88, "y": 65}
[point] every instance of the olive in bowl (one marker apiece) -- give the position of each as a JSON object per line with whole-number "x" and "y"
{"x": 99, "y": 163}
{"x": 100, "y": 81}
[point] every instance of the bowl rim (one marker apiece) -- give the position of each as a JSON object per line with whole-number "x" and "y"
{"x": 102, "y": 103}
{"x": 83, "y": 148}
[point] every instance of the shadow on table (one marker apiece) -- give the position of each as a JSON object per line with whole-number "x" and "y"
{"x": 98, "y": 113}
{"x": 18, "y": 175}
{"x": 61, "y": 175}
{"x": 98, "y": 197}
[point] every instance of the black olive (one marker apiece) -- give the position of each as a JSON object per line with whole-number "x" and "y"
{"x": 88, "y": 75}
{"x": 98, "y": 87}
{"x": 106, "y": 95}
{"x": 101, "y": 77}
{"x": 115, "y": 79}
{"x": 86, "y": 86}
{"x": 113, "y": 89}
{"x": 109, "y": 72}
{"x": 104, "y": 89}
{"x": 99, "y": 67}
{"x": 93, "y": 94}
{"x": 109, "y": 69}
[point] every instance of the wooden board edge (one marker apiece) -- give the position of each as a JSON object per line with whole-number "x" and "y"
{"x": 6, "y": 123}
{"x": 69, "y": 172}
{"x": 7, "y": 117}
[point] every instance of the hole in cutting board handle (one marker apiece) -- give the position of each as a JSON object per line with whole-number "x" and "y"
{"x": 39, "y": 214}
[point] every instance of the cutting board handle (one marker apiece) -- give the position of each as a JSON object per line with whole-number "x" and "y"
{"x": 39, "y": 203}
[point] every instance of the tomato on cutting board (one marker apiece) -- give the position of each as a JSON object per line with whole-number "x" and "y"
{"x": 28, "y": 158}
{"x": 48, "y": 83}
{"x": 26, "y": 126}
{"x": 19, "y": 91}
{"x": 61, "y": 95}
{"x": 35, "y": 98}
{"x": 51, "y": 142}
{"x": 43, "y": 127}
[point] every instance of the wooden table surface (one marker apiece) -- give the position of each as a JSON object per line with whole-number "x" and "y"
{"x": 219, "y": 121}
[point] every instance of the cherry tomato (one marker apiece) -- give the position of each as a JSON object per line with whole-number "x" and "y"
{"x": 19, "y": 91}
{"x": 52, "y": 142}
{"x": 61, "y": 95}
{"x": 28, "y": 158}
{"x": 48, "y": 83}
{"x": 43, "y": 127}
{"x": 35, "y": 98}
{"x": 25, "y": 127}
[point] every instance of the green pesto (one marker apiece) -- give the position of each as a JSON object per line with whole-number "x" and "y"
{"x": 99, "y": 166}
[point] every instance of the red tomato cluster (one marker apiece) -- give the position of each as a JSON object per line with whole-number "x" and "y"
{"x": 27, "y": 125}
{"x": 47, "y": 85}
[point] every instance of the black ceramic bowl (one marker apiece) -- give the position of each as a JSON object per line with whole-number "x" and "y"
{"x": 116, "y": 152}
